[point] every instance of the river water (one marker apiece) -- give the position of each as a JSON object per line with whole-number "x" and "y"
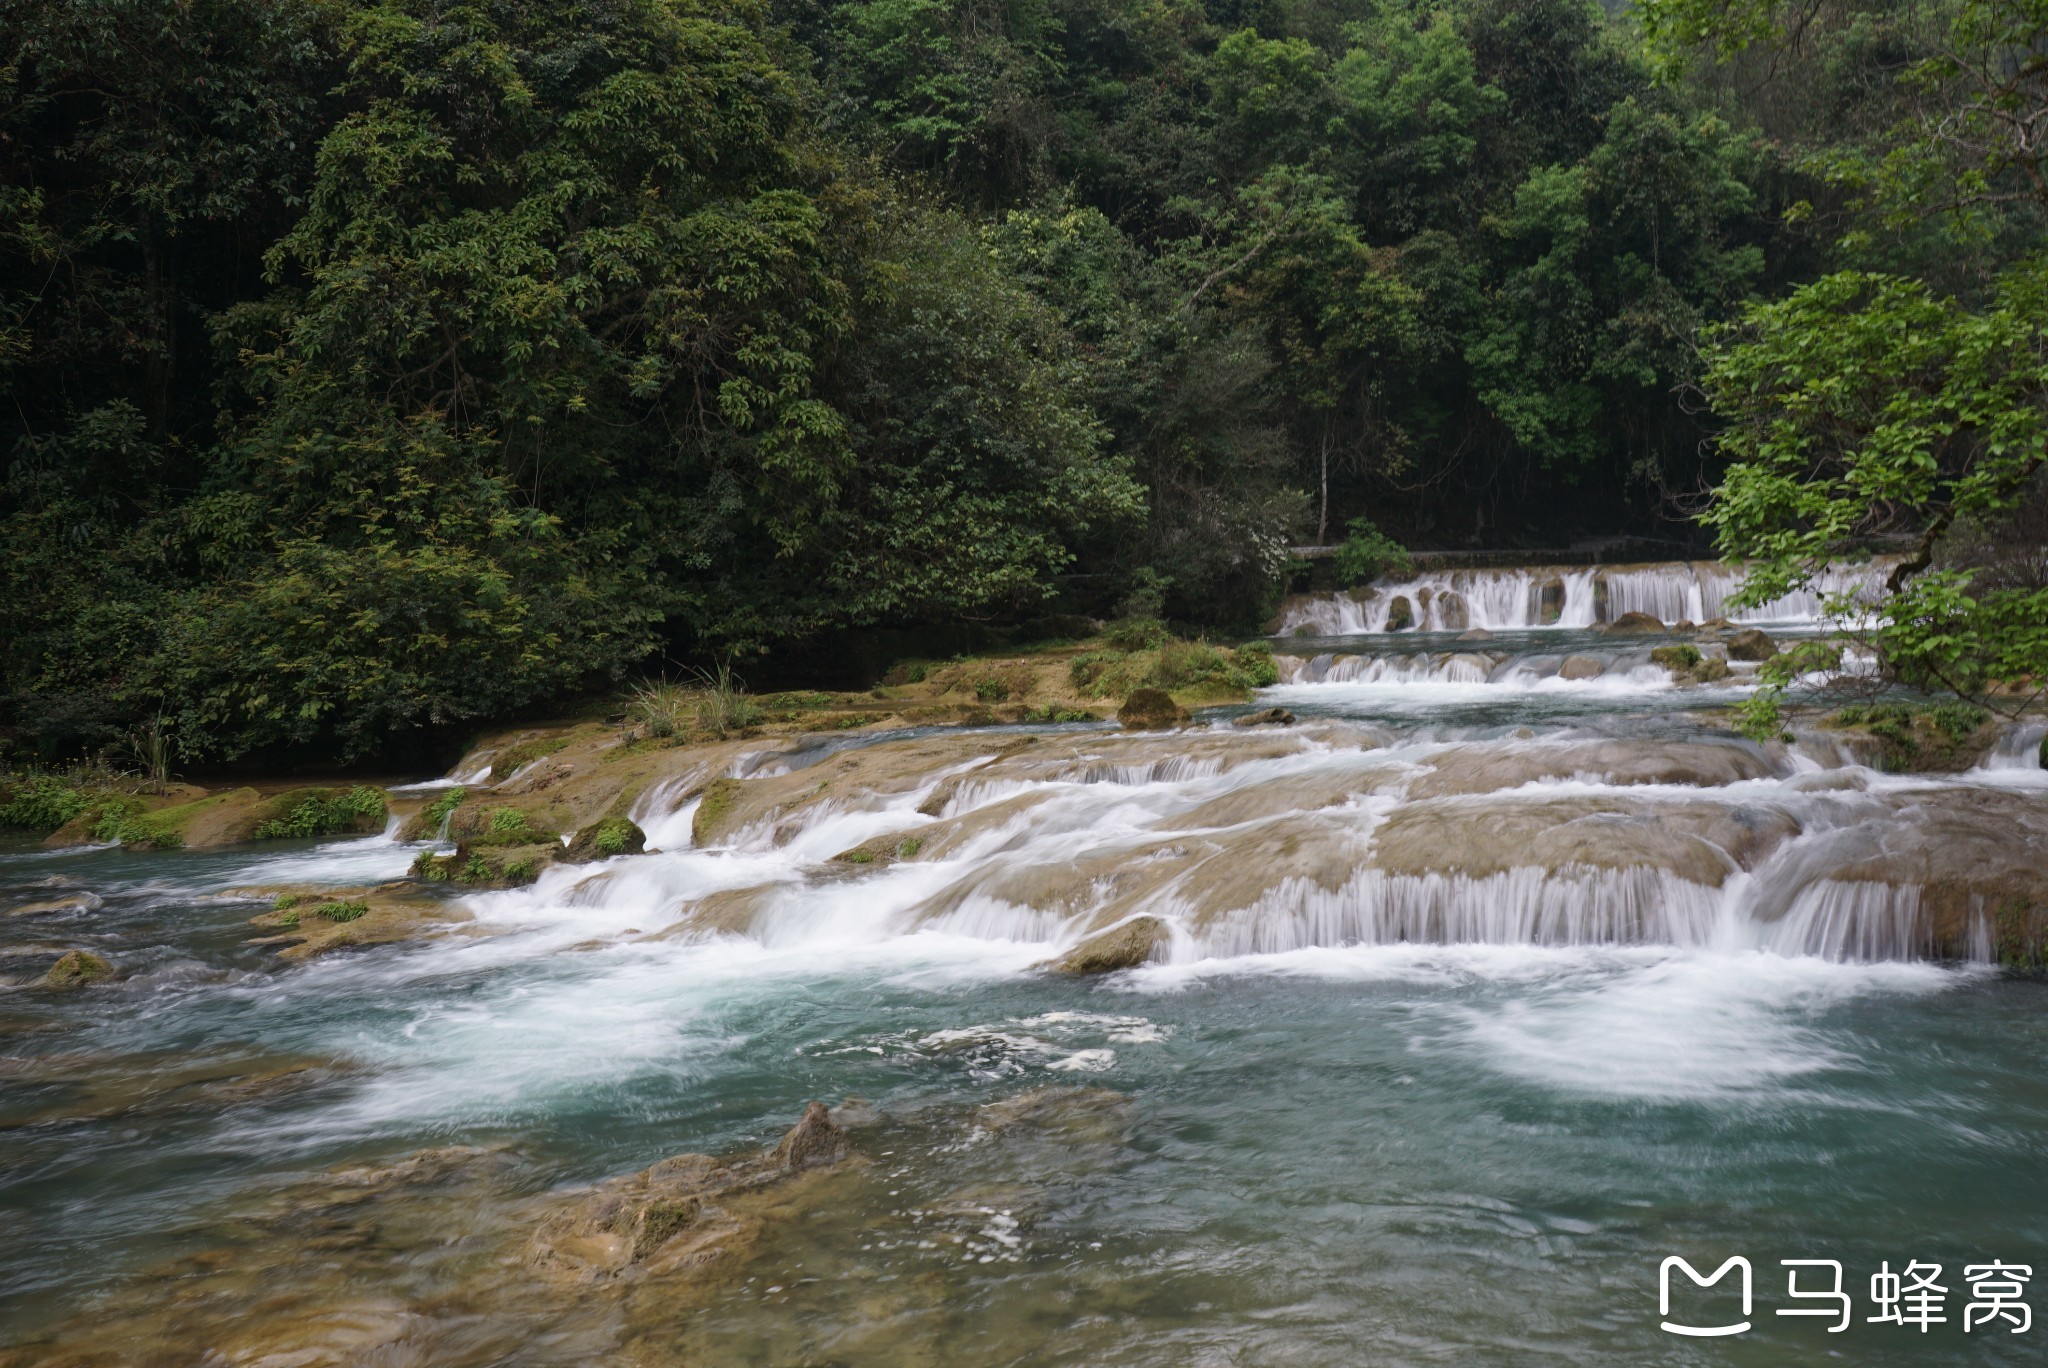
{"x": 1453, "y": 1114}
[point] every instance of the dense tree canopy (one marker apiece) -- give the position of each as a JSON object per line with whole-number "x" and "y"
{"x": 378, "y": 364}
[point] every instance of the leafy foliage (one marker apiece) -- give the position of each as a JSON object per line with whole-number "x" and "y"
{"x": 325, "y": 815}
{"x": 1368, "y": 553}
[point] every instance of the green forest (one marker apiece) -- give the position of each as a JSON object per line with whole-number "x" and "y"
{"x": 380, "y": 366}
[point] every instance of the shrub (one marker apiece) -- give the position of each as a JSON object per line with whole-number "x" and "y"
{"x": 991, "y": 690}
{"x": 1959, "y": 721}
{"x": 1138, "y": 634}
{"x": 322, "y": 815}
{"x": 521, "y": 872}
{"x": 476, "y": 871}
{"x": 43, "y": 803}
{"x": 1369, "y": 553}
{"x": 1255, "y": 662}
{"x": 341, "y": 911}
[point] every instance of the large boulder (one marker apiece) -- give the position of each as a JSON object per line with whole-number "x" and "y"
{"x": 1124, "y": 946}
{"x": 1151, "y": 710}
{"x": 1751, "y": 644}
{"x": 1400, "y": 614}
{"x": 1550, "y": 600}
{"x": 1633, "y": 624}
{"x": 1582, "y": 667}
{"x": 1266, "y": 717}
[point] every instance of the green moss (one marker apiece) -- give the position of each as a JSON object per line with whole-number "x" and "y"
{"x": 521, "y": 872}
{"x": 286, "y": 900}
{"x": 717, "y": 801}
{"x": 908, "y": 850}
{"x": 438, "y": 811}
{"x": 1680, "y": 657}
{"x": 341, "y": 911}
{"x": 614, "y": 835}
{"x": 288, "y": 920}
{"x": 860, "y": 857}
{"x": 76, "y": 969}
{"x": 476, "y": 871}
{"x": 515, "y": 758}
{"x": 429, "y": 867}
{"x": 322, "y": 812}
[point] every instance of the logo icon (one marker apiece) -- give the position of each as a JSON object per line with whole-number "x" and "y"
{"x": 1703, "y": 1332}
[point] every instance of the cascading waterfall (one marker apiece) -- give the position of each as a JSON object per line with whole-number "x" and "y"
{"x": 1567, "y": 597}
{"x": 1112, "y": 836}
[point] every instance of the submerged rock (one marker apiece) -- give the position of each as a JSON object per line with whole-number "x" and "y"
{"x": 682, "y": 1213}
{"x": 1151, "y": 710}
{"x": 1269, "y": 717}
{"x": 1582, "y": 667}
{"x": 77, "y": 969}
{"x": 1751, "y": 644}
{"x": 1633, "y": 624}
{"x": 813, "y": 1141}
{"x": 50, "y": 907}
{"x": 605, "y": 838}
{"x": 1476, "y": 634}
{"x": 1125, "y": 946}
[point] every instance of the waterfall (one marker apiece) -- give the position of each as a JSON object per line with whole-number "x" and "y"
{"x": 1565, "y": 596}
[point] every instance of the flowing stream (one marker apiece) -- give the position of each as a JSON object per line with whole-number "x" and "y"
{"x": 1486, "y": 990}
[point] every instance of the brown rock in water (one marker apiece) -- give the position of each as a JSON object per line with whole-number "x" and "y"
{"x": 1550, "y": 601}
{"x": 1752, "y": 644}
{"x": 1582, "y": 667}
{"x": 1151, "y": 710}
{"x": 76, "y": 969}
{"x": 1631, "y": 624}
{"x": 1451, "y": 611}
{"x": 1476, "y": 634}
{"x": 1270, "y": 717}
{"x": 1400, "y": 614}
{"x": 813, "y": 1141}
{"x": 1125, "y": 946}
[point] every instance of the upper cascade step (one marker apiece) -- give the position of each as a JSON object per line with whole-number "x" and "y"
{"x": 1531, "y": 596}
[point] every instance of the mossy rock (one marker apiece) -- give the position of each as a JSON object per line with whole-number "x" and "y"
{"x": 1151, "y": 710}
{"x": 714, "y": 810}
{"x": 1125, "y": 946}
{"x": 1679, "y": 658}
{"x": 303, "y": 923}
{"x": 311, "y": 813}
{"x": 425, "y": 825}
{"x": 2019, "y": 936}
{"x": 77, "y": 969}
{"x": 1710, "y": 670}
{"x": 1945, "y": 738}
{"x": 498, "y": 826}
{"x": 603, "y": 839}
{"x": 514, "y": 758}
{"x": 486, "y": 867}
